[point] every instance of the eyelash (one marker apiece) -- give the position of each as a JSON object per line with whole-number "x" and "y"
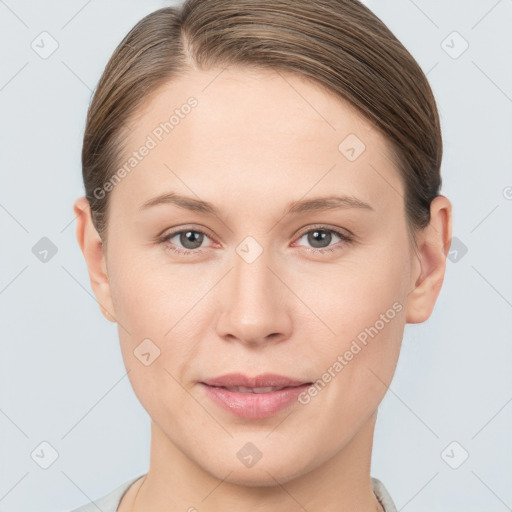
{"x": 345, "y": 239}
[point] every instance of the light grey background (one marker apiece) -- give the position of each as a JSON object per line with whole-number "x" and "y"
{"x": 61, "y": 372}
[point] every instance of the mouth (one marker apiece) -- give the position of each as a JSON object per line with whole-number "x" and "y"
{"x": 263, "y": 383}
{"x": 251, "y": 399}
{"x": 241, "y": 389}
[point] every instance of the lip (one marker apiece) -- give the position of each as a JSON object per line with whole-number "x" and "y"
{"x": 253, "y": 405}
{"x": 259, "y": 381}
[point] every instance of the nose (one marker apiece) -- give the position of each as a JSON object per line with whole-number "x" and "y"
{"x": 255, "y": 304}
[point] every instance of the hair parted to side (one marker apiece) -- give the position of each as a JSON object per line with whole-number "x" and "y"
{"x": 339, "y": 44}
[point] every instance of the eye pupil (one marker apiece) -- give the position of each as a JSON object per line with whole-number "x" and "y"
{"x": 193, "y": 237}
{"x": 319, "y": 236}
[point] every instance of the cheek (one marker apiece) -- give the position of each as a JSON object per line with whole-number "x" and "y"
{"x": 366, "y": 287}
{"x": 150, "y": 294}
{"x": 356, "y": 364}
{"x": 362, "y": 309}
{"x": 157, "y": 306}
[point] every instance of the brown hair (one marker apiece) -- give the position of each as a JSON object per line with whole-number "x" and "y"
{"x": 339, "y": 44}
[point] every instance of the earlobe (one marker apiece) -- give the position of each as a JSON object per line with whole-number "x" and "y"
{"x": 431, "y": 252}
{"x": 92, "y": 248}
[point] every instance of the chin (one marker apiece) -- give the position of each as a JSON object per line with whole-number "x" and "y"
{"x": 261, "y": 477}
{"x": 266, "y": 472}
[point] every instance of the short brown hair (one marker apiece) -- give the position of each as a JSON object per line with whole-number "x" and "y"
{"x": 339, "y": 44}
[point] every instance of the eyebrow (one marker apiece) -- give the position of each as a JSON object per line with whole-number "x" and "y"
{"x": 296, "y": 207}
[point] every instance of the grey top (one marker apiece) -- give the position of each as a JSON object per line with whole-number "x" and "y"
{"x": 110, "y": 501}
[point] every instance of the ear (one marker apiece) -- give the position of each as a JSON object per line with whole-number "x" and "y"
{"x": 92, "y": 248}
{"x": 432, "y": 248}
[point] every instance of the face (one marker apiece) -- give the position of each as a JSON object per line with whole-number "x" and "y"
{"x": 280, "y": 247}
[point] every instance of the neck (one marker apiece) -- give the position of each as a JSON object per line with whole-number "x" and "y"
{"x": 175, "y": 482}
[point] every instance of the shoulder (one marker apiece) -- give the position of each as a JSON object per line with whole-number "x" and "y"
{"x": 383, "y": 495}
{"x": 109, "y": 502}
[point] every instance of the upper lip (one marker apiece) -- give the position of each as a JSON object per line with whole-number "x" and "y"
{"x": 259, "y": 381}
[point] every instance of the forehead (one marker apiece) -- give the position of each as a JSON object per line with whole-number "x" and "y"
{"x": 254, "y": 132}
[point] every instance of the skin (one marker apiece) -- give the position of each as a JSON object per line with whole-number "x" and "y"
{"x": 257, "y": 141}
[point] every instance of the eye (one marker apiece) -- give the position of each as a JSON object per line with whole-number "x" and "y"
{"x": 186, "y": 241}
{"x": 189, "y": 242}
{"x": 320, "y": 238}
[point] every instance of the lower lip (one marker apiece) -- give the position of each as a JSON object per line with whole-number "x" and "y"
{"x": 254, "y": 405}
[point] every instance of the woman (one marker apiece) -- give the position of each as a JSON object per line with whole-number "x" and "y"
{"x": 262, "y": 217}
